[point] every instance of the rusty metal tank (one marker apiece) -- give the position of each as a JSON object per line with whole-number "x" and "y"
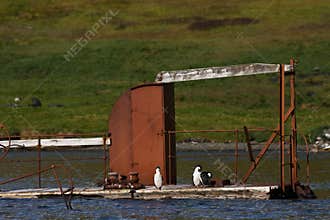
{"x": 138, "y": 124}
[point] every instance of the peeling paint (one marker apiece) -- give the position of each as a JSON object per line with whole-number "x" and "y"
{"x": 218, "y": 72}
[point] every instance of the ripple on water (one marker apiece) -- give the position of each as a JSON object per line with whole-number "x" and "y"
{"x": 99, "y": 208}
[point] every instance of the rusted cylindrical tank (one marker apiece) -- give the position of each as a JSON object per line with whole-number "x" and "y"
{"x": 138, "y": 125}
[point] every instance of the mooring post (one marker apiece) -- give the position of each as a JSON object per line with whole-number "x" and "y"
{"x": 282, "y": 126}
{"x": 39, "y": 162}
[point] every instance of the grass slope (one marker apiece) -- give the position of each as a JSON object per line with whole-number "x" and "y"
{"x": 149, "y": 36}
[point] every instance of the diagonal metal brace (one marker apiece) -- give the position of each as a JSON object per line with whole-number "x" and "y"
{"x": 266, "y": 147}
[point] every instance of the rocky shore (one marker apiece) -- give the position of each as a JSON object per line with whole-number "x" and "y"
{"x": 322, "y": 142}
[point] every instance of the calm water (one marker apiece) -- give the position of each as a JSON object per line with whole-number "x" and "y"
{"x": 88, "y": 172}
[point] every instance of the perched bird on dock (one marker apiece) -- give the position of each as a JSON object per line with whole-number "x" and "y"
{"x": 206, "y": 178}
{"x": 158, "y": 180}
{"x": 197, "y": 180}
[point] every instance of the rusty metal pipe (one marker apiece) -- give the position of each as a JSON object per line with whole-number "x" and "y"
{"x": 247, "y": 136}
{"x": 53, "y": 160}
{"x": 169, "y": 159}
{"x": 236, "y": 156}
{"x": 25, "y": 176}
{"x": 5, "y": 148}
{"x": 293, "y": 149}
{"x": 60, "y": 135}
{"x": 282, "y": 126}
{"x": 265, "y": 148}
{"x": 39, "y": 163}
{"x": 105, "y": 159}
{"x": 219, "y": 130}
{"x": 59, "y": 184}
{"x": 307, "y": 161}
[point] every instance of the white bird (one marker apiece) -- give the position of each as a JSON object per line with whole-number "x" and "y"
{"x": 158, "y": 179}
{"x": 17, "y": 99}
{"x": 197, "y": 180}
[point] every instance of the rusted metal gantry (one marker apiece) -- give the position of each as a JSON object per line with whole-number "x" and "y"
{"x": 142, "y": 122}
{"x": 255, "y": 69}
{"x": 142, "y": 128}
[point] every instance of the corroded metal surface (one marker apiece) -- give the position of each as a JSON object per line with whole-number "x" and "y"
{"x": 120, "y": 153}
{"x": 137, "y": 124}
{"x": 4, "y": 145}
{"x": 218, "y": 72}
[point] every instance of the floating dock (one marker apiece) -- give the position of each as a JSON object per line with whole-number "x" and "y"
{"x": 150, "y": 192}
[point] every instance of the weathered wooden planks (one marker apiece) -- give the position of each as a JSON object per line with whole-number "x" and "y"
{"x": 218, "y": 72}
{"x": 57, "y": 142}
{"x": 168, "y": 192}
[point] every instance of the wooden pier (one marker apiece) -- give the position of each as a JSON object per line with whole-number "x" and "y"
{"x": 167, "y": 192}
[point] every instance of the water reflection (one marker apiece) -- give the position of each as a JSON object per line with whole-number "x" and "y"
{"x": 88, "y": 173}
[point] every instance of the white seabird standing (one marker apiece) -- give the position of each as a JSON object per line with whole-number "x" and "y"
{"x": 158, "y": 179}
{"x": 197, "y": 180}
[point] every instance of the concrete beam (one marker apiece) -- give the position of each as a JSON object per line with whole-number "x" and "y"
{"x": 57, "y": 142}
{"x": 218, "y": 72}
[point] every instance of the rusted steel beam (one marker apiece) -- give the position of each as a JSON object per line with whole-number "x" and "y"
{"x": 247, "y": 136}
{"x": 169, "y": 158}
{"x": 5, "y": 144}
{"x": 45, "y": 136}
{"x": 105, "y": 159}
{"x": 236, "y": 156}
{"x": 39, "y": 163}
{"x": 307, "y": 161}
{"x": 198, "y": 131}
{"x": 59, "y": 184}
{"x": 25, "y": 176}
{"x": 264, "y": 149}
{"x": 53, "y": 160}
{"x": 282, "y": 127}
{"x": 218, "y": 72}
{"x": 217, "y": 130}
{"x": 259, "y": 156}
{"x": 293, "y": 149}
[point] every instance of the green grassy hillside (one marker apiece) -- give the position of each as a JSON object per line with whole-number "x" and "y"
{"x": 146, "y": 37}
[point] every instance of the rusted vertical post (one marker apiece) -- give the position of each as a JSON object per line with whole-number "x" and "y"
{"x": 307, "y": 161}
{"x": 39, "y": 162}
{"x": 236, "y": 155}
{"x": 59, "y": 184}
{"x": 247, "y": 136}
{"x": 291, "y": 161}
{"x": 169, "y": 158}
{"x": 282, "y": 125}
{"x": 293, "y": 149}
{"x": 105, "y": 159}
